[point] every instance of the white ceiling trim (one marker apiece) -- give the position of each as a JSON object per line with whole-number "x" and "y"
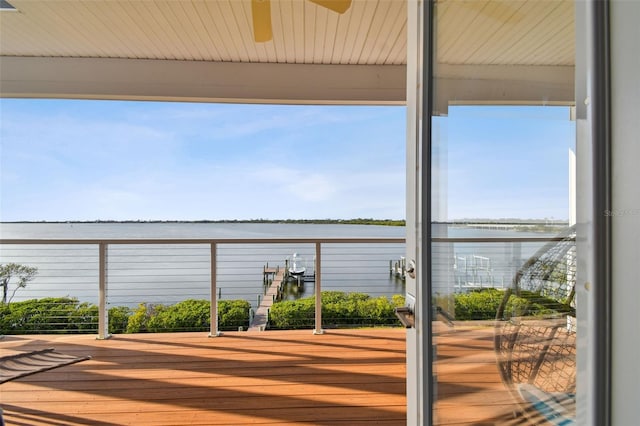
{"x": 502, "y": 85}
{"x": 199, "y": 81}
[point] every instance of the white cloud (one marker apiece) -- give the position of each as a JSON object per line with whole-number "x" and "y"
{"x": 296, "y": 185}
{"x": 314, "y": 188}
{"x": 157, "y": 161}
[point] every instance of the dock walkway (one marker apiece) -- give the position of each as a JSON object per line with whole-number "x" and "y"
{"x": 261, "y": 316}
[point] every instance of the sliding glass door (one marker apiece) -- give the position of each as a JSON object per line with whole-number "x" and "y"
{"x": 493, "y": 203}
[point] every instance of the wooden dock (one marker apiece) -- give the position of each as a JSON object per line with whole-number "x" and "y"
{"x": 261, "y": 316}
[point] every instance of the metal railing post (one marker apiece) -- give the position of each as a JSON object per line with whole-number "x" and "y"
{"x": 103, "y": 247}
{"x": 318, "y": 328}
{"x": 214, "y": 294}
{"x": 103, "y": 312}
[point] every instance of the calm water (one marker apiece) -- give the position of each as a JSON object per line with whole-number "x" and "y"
{"x": 167, "y": 274}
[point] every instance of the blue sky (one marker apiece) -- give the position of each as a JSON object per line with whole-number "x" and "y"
{"x": 508, "y": 162}
{"x": 88, "y": 160}
{"x": 112, "y": 160}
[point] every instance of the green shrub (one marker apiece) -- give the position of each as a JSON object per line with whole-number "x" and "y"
{"x": 48, "y": 315}
{"x": 119, "y": 319}
{"x": 233, "y": 314}
{"x": 339, "y": 309}
{"x": 188, "y": 315}
{"x": 477, "y": 305}
{"x": 483, "y": 305}
{"x": 138, "y": 320}
{"x": 85, "y": 318}
{"x": 68, "y": 315}
{"x": 398, "y": 300}
{"x": 292, "y": 314}
{"x": 533, "y": 304}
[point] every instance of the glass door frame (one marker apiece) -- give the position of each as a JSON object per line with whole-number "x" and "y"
{"x": 593, "y": 197}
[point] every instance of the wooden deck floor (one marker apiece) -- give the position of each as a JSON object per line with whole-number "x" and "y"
{"x": 469, "y": 390}
{"x": 344, "y": 377}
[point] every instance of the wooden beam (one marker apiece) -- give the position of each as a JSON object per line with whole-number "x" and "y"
{"x": 200, "y": 81}
{"x": 502, "y": 85}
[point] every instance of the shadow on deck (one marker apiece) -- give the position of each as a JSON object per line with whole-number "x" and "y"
{"x": 285, "y": 377}
{"x": 344, "y": 377}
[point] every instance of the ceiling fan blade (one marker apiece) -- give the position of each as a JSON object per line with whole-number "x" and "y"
{"x": 340, "y": 6}
{"x": 261, "y": 13}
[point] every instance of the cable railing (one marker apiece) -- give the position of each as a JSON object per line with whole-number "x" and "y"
{"x": 144, "y": 275}
{"x": 482, "y": 262}
{"x": 463, "y": 265}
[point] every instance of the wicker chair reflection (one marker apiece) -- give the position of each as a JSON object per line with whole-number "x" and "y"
{"x": 535, "y": 336}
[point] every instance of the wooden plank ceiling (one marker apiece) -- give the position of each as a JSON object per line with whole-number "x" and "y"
{"x": 506, "y": 32}
{"x": 370, "y": 32}
{"x": 371, "y": 35}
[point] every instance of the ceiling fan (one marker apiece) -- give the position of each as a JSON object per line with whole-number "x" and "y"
{"x": 261, "y": 12}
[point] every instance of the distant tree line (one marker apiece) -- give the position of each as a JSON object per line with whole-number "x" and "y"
{"x": 356, "y": 221}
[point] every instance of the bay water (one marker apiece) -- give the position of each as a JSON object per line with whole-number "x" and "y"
{"x": 171, "y": 273}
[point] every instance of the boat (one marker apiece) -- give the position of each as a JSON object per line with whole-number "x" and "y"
{"x": 297, "y": 265}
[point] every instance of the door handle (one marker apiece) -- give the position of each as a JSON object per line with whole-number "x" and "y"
{"x": 411, "y": 269}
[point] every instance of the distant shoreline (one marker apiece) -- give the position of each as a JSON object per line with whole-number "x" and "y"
{"x": 358, "y": 221}
{"x": 529, "y": 225}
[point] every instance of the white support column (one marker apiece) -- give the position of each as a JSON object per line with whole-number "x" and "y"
{"x": 103, "y": 312}
{"x": 625, "y": 213}
{"x": 318, "y": 329}
{"x": 214, "y": 293}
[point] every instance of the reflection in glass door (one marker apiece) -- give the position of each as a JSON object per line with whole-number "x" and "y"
{"x": 503, "y": 254}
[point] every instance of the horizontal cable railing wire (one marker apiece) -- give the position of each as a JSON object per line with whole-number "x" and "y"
{"x": 69, "y": 270}
{"x": 466, "y": 271}
{"x": 157, "y": 274}
{"x": 148, "y": 277}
